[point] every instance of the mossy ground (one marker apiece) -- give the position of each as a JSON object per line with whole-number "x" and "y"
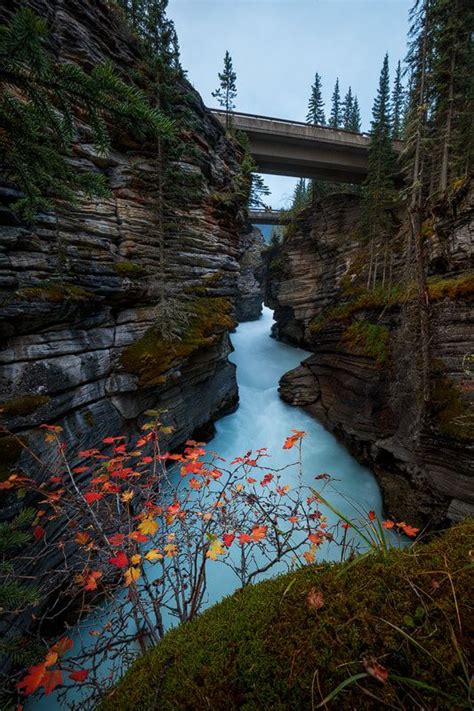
{"x": 55, "y": 292}
{"x": 151, "y": 356}
{"x": 266, "y": 649}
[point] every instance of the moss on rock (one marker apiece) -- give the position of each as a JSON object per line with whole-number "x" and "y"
{"x": 151, "y": 356}
{"x": 55, "y": 292}
{"x": 368, "y": 339}
{"x": 128, "y": 269}
{"x": 23, "y": 405}
{"x": 453, "y": 415}
{"x": 265, "y": 648}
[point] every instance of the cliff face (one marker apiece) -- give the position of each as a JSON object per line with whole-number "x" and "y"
{"x": 249, "y": 301}
{"x": 79, "y": 288}
{"x": 361, "y": 380}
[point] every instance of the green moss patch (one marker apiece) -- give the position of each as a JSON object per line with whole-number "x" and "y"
{"x": 459, "y": 287}
{"x": 22, "y": 405}
{"x": 54, "y": 292}
{"x": 128, "y": 269}
{"x": 151, "y": 356}
{"x": 453, "y": 415}
{"x": 266, "y": 648}
{"x": 368, "y": 339}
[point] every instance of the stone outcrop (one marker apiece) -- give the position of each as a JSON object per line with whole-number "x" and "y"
{"x": 248, "y": 306}
{"x": 360, "y": 380}
{"x": 80, "y": 286}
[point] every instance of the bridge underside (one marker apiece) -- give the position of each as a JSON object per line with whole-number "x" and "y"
{"x": 296, "y": 149}
{"x": 267, "y": 217}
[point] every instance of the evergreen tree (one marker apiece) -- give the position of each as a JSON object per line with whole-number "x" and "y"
{"x": 379, "y": 189}
{"x": 315, "y": 115}
{"x": 301, "y": 196}
{"x": 398, "y": 100}
{"x": 335, "y": 120}
{"x": 258, "y": 190}
{"x": 355, "y": 122}
{"x": 37, "y": 113}
{"x": 227, "y": 90}
{"x": 348, "y": 110}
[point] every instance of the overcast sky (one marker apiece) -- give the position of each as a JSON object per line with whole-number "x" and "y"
{"x": 278, "y": 45}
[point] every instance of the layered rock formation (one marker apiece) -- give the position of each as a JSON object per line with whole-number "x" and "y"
{"x": 79, "y": 287}
{"x": 249, "y": 301}
{"x": 361, "y": 380}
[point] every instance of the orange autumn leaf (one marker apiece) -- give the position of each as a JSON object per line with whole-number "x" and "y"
{"x": 51, "y": 680}
{"x": 82, "y": 538}
{"x": 79, "y": 675}
{"x": 244, "y": 538}
{"x": 62, "y": 646}
{"x": 171, "y": 549}
{"x": 195, "y": 484}
{"x": 148, "y": 526}
{"x": 315, "y": 599}
{"x": 293, "y": 439}
{"x": 375, "y": 669}
{"x": 408, "y": 530}
{"x": 116, "y": 539}
{"x": 33, "y": 679}
{"x": 388, "y": 524}
{"x": 138, "y": 537}
{"x": 132, "y": 574}
{"x": 310, "y": 555}
{"x": 51, "y": 658}
{"x": 91, "y": 579}
{"x": 258, "y": 533}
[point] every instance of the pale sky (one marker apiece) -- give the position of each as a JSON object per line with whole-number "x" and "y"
{"x": 278, "y": 45}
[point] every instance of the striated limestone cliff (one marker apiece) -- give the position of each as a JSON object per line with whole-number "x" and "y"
{"x": 79, "y": 288}
{"x": 249, "y": 301}
{"x": 361, "y": 379}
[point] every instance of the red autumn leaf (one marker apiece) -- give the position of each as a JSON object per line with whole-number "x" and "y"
{"x": 91, "y": 580}
{"x": 174, "y": 507}
{"x": 228, "y": 539}
{"x": 388, "y": 524}
{"x": 346, "y": 525}
{"x": 195, "y": 484}
{"x": 244, "y": 538}
{"x": 266, "y": 479}
{"x": 33, "y": 680}
{"x": 315, "y": 599}
{"x": 120, "y": 560}
{"x": 147, "y": 460}
{"x": 251, "y": 480}
{"x": 62, "y": 646}
{"x": 316, "y": 538}
{"x": 293, "y": 439}
{"x": 138, "y": 537}
{"x": 79, "y": 675}
{"x": 372, "y": 516}
{"x": 51, "y": 680}
{"x": 408, "y": 530}
{"x": 258, "y": 533}
{"x": 38, "y": 533}
{"x": 80, "y": 470}
{"x": 376, "y": 670}
{"x": 88, "y": 452}
{"x": 91, "y": 496}
{"x": 111, "y": 440}
{"x": 55, "y": 479}
{"x": 215, "y": 474}
{"x": 116, "y": 539}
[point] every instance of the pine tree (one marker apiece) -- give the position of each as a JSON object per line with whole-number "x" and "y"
{"x": 335, "y": 120}
{"x": 37, "y": 113}
{"x": 398, "y": 101}
{"x": 379, "y": 189}
{"x": 227, "y": 90}
{"x": 347, "y": 110}
{"x": 301, "y": 196}
{"x": 258, "y": 190}
{"x": 355, "y": 122}
{"x": 315, "y": 115}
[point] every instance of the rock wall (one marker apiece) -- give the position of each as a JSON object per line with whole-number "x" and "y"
{"x": 80, "y": 286}
{"x": 361, "y": 379}
{"x": 249, "y": 301}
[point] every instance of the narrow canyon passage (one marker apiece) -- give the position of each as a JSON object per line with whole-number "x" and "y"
{"x": 261, "y": 420}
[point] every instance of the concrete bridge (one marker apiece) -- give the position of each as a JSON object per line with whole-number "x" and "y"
{"x": 292, "y": 148}
{"x": 267, "y": 217}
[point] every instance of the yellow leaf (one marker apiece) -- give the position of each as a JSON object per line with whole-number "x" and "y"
{"x": 127, "y": 496}
{"x": 148, "y": 526}
{"x": 131, "y": 575}
{"x": 153, "y": 554}
{"x": 216, "y": 548}
{"x": 135, "y": 559}
{"x": 171, "y": 550}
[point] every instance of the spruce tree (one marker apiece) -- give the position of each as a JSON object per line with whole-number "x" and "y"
{"x": 379, "y": 189}
{"x": 355, "y": 122}
{"x": 398, "y": 101}
{"x": 258, "y": 190}
{"x": 38, "y": 105}
{"x": 347, "y": 110}
{"x": 227, "y": 90}
{"x": 335, "y": 120}
{"x": 315, "y": 115}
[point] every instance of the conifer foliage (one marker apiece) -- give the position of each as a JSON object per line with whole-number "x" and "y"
{"x": 335, "y": 120}
{"x": 315, "y": 115}
{"x": 39, "y": 102}
{"x": 227, "y": 89}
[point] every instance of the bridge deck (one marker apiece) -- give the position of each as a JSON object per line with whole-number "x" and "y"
{"x": 292, "y": 148}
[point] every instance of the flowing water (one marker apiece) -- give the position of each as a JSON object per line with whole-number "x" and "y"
{"x": 264, "y": 420}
